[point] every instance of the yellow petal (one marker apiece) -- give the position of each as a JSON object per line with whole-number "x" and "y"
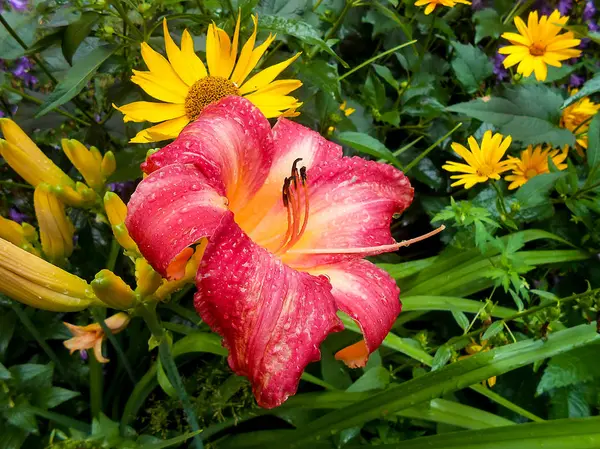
{"x": 187, "y": 49}
{"x": 163, "y": 131}
{"x": 148, "y": 111}
{"x": 264, "y": 77}
{"x": 159, "y": 66}
{"x": 257, "y": 53}
{"x": 245, "y": 54}
{"x": 155, "y": 86}
{"x": 177, "y": 59}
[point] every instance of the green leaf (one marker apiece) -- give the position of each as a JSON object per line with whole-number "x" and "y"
{"x": 322, "y": 75}
{"x": 12, "y": 437}
{"x": 488, "y": 23}
{"x": 366, "y": 144}
{"x": 54, "y": 396}
{"x": 577, "y": 366}
{"x": 172, "y": 442}
{"x": 441, "y": 357}
{"x": 593, "y": 151}
{"x": 20, "y": 416}
{"x": 449, "y": 303}
{"x": 537, "y": 189}
{"x": 76, "y": 79}
{"x": 164, "y": 382}
{"x": 569, "y": 402}
{"x": 374, "y": 92}
{"x": 494, "y": 329}
{"x": 590, "y": 87}
{"x": 4, "y": 373}
{"x": 405, "y": 269}
{"x": 25, "y": 24}
{"x": 583, "y": 433}
{"x": 471, "y": 66}
{"x": 374, "y": 379}
{"x": 47, "y": 41}
{"x": 387, "y": 75}
{"x": 299, "y": 29}
{"x": 461, "y": 319}
{"x": 31, "y": 376}
{"x": 7, "y": 327}
{"x": 451, "y": 378}
{"x": 529, "y": 113}
{"x": 76, "y": 32}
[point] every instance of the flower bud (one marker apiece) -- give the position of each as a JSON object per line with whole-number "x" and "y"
{"x": 56, "y": 230}
{"x": 147, "y": 279}
{"x": 85, "y": 162}
{"x": 113, "y": 291}
{"x": 116, "y": 210}
{"x": 33, "y": 281}
{"x": 19, "y": 235}
{"x": 109, "y": 164}
{"x": 24, "y": 157}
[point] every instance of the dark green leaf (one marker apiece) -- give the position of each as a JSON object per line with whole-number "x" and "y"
{"x": 4, "y": 373}
{"x": 536, "y": 190}
{"x": 20, "y": 416}
{"x": 387, "y": 75}
{"x": 441, "y": 357}
{"x": 471, "y": 66}
{"x": 12, "y": 437}
{"x": 366, "y": 144}
{"x": 54, "y": 396}
{"x": 461, "y": 319}
{"x": 374, "y": 92}
{"x": 322, "y": 75}
{"x": 488, "y": 23}
{"x": 299, "y": 29}
{"x": 7, "y": 327}
{"x": 31, "y": 376}
{"x": 569, "y": 402}
{"x": 573, "y": 367}
{"x": 25, "y": 23}
{"x": 76, "y": 32}
{"x": 494, "y": 329}
{"x": 375, "y": 379}
{"x": 76, "y": 78}
{"x": 593, "y": 151}
{"x": 49, "y": 40}
{"x": 590, "y": 87}
{"x": 529, "y": 113}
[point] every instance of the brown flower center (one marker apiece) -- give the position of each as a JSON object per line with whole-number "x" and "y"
{"x": 206, "y": 91}
{"x": 537, "y": 49}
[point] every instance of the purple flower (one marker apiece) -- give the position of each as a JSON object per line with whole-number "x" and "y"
{"x": 83, "y": 354}
{"x": 544, "y": 8}
{"x": 576, "y": 80}
{"x": 499, "y": 70}
{"x": 593, "y": 27}
{"x": 22, "y": 71}
{"x": 123, "y": 189}
{"x": 478, "y": 4}
{"x": 17, "y": 216}
{"x": 564, "y": 6}
{"x": 18, "y": 5}
{"x": 589, "y": 11}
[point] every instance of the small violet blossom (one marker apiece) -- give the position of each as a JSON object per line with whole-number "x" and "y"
{"x": 286, "y": 221}
{"x": 565, "y": 6}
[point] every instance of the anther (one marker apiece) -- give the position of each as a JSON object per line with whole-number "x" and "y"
{"x": 303, "y": 175}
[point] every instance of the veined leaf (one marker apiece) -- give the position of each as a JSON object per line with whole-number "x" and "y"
{"x": 367, "y": 144}
{"x": 76, "y": 32}
{"x": 593, "y": 151}
{"x": 471, "y": 66}
{"x": 590, "y": 87}
{"x": 76, "y": 78}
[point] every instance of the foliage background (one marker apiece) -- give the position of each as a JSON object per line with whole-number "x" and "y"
{"x": 519, "y": 271}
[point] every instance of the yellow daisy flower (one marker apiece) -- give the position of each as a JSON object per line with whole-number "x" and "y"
{"x": 538, "y": 44}
{"x": 576, "y": 118}
{"x": 482, "y": 162}
{"x": 533, "y": 162}
{"x": 185, "y": 86}
{"x": 431, "y": 4}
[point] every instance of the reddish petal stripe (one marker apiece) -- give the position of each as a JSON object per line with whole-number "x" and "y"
{"x": 230, "y": 143}
{"x": 292, "y": 141}
{"x": 352, "y": 202}
{"x": 367, "y": 294}
{"x": 171, "y": 209}
{"x": 272, "y": 318}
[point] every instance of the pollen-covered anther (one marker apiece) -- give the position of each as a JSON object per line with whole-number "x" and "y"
{"x": 295, "y": 200}
{"x": 205, "y": 91}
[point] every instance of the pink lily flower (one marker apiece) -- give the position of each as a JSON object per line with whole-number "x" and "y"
{"x": 288, "y": 221}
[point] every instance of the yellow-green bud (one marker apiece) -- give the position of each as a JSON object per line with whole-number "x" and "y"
{"x": 116, "y": 210}
{"x": 109, "y": 164}
{"x": 113, "y": 291}
{"x": 148, "y": 280}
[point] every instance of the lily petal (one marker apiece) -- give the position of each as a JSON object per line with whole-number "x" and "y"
{"x": 272, "y": 318}
{"x": 172, "y": 208}
{"x": 230, "y": 143}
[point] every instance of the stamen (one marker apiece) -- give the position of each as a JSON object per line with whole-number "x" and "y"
{"x": 368, "y": 249}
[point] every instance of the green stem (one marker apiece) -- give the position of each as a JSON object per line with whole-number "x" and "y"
{"x": 16, "y": 184}
{"x": 97, "y": 313}
{"x": 428, "y": 150}
{"x": 96, "y": 385}
{"x": 26, "y": 321}
{"x": 148, "y": 313}
{"x": 38, "y": 101}
{"x": 500, "y": 198}
{"x": 115, "y": 250}
{"x": 375, "y": 58}
{"x": 117, "y": 5}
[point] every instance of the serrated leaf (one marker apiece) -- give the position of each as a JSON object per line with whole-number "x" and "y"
{"x": 76, "y": 78}
{"x": 494, "y": 329}
{"x": 537, "y": 189}
{"x": 374, "y": 92}
{"x": 590, "y": 87}
{"x": 298, "y": 29}
{"x": 366, "y": 144}
{"x": 529, "y": 113}
{"x": 573, "y": 367}
{"x": 76, "y": 32}
{"x": 593, "y": 151}
{"x": 569, "y": 402}
{"x": 488, "y": 23}
{"x": 471, "y": 66}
